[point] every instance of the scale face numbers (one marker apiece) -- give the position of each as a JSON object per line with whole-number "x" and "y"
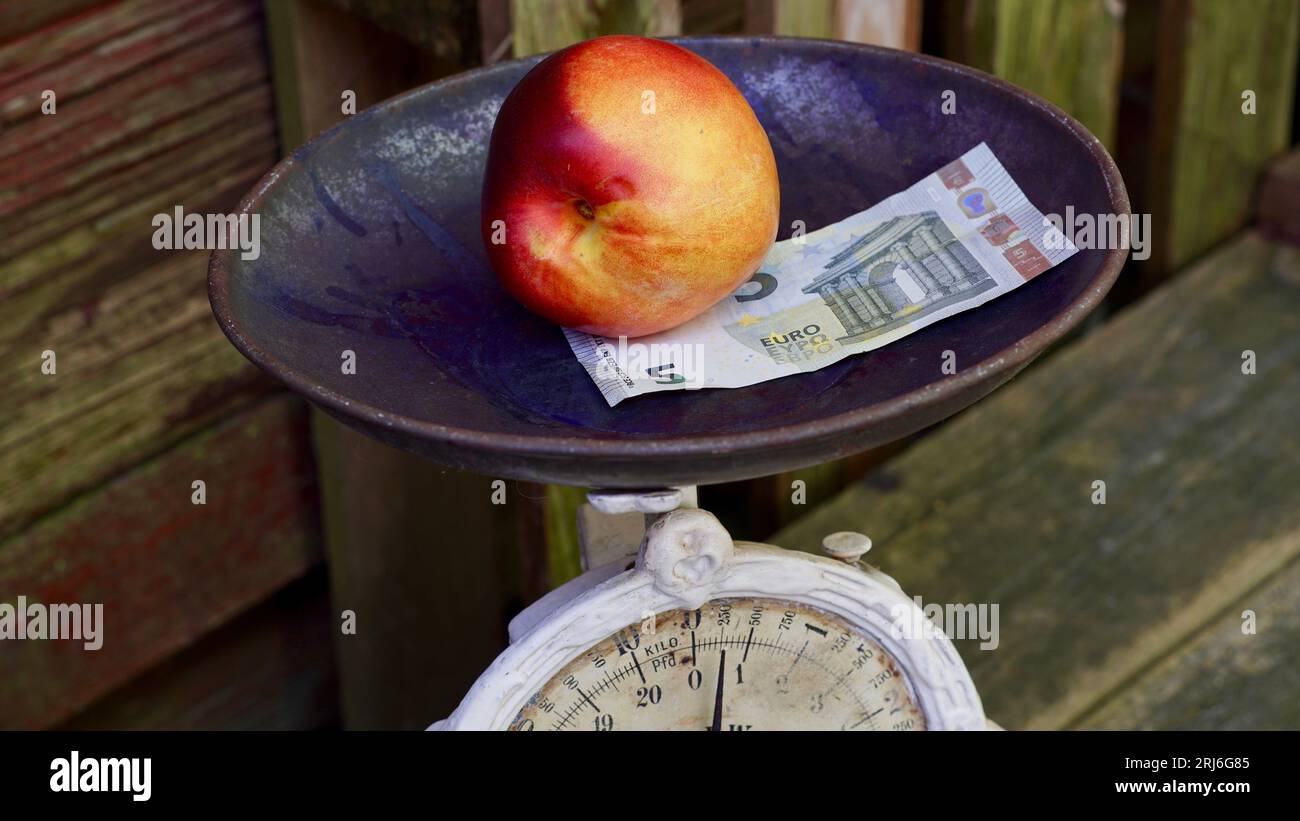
{"x": 733, "y": 664}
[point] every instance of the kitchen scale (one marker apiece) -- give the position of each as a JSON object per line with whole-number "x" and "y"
{"x": 371, "y": 252}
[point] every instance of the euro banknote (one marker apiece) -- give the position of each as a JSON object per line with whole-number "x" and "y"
{"x": 959, "y": 237}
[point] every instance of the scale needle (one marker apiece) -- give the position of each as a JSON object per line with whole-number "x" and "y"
{"x": 717, "y": 697}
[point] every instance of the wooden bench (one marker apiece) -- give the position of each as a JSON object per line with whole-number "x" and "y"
{"x": 1128, "y": 613}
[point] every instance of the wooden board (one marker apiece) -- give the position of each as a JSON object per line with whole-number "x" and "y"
{"x": 271, "y": 668}
{"x": 419, "y": 554}
{"x": 1278, "y": 206}
{"x": 540, "y": 27}
{"x": 165, "y": 570}
{"x": 1069, "y": 51}
{"x": 145, "y": 38}
{"x": 19, "y": 17}
{"x": 892, "y": 23}
{"x": 132, "y": 120}
{"x": 443, "y": 28}
{"x": 1225, "y": 678}
{"x": 141, "y": 366}
{"x": 1201, "y": 467}
{"x": 159, "y": 104}
{"x": 704, "y": 17}
{"x": 157, "y": 107}
{"x": 1208, "y": 154}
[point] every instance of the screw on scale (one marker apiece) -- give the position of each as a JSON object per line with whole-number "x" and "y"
{"x": 847, "y": 546}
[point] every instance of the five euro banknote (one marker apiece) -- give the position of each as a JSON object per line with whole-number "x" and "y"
{"x": 956, "y": 239}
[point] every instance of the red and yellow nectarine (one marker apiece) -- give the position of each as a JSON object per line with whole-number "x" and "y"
{"x": 635, "y": 186}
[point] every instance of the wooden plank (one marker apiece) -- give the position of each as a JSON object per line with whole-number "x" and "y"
{"x": 36, "y": 43}
{"x": 112, "y": 191}
{"x": 495, "y": 35}
{"x": 174, "y": 163}
{"x": 804, "y": 18}
{"x": 444, "y": 28}
{"x": 1278, "y": 206}
{"x": 116, "y": 237}
{"x": 776, "y": 501}
{"x": 1209, "y": 153}
{"x": 705, "y": 17}
{"x": 271, "y": 668}
{"x": 1224, "y": 678}
{"x": 893, "y": 23}
{"x": 132, "y": 51}
{"x": 1134, "y": 151}
{"x": 531, "y": 576}
{"x": 307, "y": 41}
{"x": 1069, "y": 51}
{"x": 19, "y": 17}
{"x": 86, "y": 181}
{"x": 140, "y": 367}
{"x": 419, "y": 554}
{"x": 167, "y": 107}
{"x": 551, "y": 25}
{"x": 165, "y": 570}
{"x": 106, "y": 125}
{"x": 159, "y": 105}
{"x": 1201, "y": 468}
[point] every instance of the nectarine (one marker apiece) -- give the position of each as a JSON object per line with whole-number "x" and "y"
{"x": 629, "y": 187}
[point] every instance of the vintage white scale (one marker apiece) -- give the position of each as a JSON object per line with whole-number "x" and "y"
{"x": 691, "y": 630}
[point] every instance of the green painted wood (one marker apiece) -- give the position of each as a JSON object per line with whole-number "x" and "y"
{"x": 1225, "y": 678}
{"x": 540, "y": 27}
{"x": 1209, "y": 154}
{"x": 1069, "y": 51}
{"x": 1201, "y": 465}
{"x": 806, "y": 18}
{"x": 563, "y": 546}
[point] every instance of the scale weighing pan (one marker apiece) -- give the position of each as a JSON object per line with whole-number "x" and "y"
{"x": 370, "y": 243}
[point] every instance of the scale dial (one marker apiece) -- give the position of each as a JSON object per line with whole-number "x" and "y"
{"x": 745, "y": 636}
{"x": 733, "y": 664}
